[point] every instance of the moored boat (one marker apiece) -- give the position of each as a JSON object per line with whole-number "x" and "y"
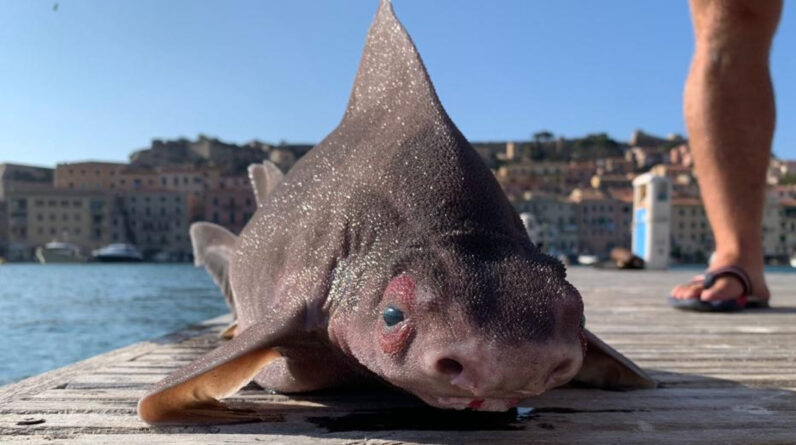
{"x": 59, "y": 252}
{"x": 118, "y": 253}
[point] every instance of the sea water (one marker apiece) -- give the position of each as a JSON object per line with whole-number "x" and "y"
{"x": 55, "y": 314}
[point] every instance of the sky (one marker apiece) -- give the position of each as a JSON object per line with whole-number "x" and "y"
{"x": 99, "y": 79}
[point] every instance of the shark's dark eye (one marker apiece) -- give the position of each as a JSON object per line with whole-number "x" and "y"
{"x": 392, "y": 316}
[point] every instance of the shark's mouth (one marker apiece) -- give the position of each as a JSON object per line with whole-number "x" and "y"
{"x": 474, "y": 403}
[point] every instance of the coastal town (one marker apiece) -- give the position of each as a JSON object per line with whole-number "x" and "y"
{"x": 575, "y": 196}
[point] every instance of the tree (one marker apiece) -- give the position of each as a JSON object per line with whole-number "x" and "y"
{"x": 543, "y": 137}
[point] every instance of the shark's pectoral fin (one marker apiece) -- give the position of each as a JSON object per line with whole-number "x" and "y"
{"x": 213, "y": 246}
{"x": 191, "y": 395}
{"x": 604, "y": 367}
{"x": 229, "y": 332}
{"x": 264, "y": 177}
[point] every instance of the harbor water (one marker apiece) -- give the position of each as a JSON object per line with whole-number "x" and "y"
{"x": 52, "y": 315}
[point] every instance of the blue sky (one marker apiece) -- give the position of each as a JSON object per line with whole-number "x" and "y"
{"x": 99, "y": 79}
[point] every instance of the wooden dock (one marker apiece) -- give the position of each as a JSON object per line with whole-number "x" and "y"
{"x": 725, "y": 378}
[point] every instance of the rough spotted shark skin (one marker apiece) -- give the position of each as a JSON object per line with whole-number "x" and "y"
{"x": 389, "y": 251}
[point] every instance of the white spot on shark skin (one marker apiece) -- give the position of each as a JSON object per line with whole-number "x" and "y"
{"x": 645, "y": 426}
{"x": 751, "y": 409}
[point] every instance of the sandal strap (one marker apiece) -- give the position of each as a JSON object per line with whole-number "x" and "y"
{"x": 731, "y": 271}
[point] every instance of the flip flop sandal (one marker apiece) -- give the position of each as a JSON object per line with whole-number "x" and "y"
{"x": 707, "y": 280}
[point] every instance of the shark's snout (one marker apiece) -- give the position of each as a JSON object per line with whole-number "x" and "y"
{"x": 489, "y": 370}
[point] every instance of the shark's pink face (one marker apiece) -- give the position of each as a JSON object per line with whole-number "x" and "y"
{"x": 459, "y": 351}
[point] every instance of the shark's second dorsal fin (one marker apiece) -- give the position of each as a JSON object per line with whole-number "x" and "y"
{"x": 264, "y": 178}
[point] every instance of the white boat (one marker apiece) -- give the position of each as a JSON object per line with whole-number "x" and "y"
{"x": 793, "y": 260}
{"x": 58, "y": 252}
{"x": 118, "y": 253}
{"x": 588, "y": 260}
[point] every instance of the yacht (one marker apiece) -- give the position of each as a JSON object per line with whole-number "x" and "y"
{"x": 793, "y": 260}
{"x": 118, "y": 253}
{"x": 59, "y": 252}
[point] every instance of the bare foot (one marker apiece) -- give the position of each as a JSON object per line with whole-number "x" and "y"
{"x": 726, "y": 287}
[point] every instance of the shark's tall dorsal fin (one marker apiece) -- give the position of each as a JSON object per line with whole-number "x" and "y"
{"x": 391, "y": 77}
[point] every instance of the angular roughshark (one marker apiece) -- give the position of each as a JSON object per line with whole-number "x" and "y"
{"x": 388, "y": 252}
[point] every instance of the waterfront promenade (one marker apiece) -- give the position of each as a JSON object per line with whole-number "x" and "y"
{"x": 724, "y": 378}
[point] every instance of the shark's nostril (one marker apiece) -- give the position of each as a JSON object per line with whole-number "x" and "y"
{"x": 449, "y": 367}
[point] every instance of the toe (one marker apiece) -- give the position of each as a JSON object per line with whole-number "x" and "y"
{"x": 692, "y": 291}
{"x": 685, "y": 291}
{"x": 724, "y": 289}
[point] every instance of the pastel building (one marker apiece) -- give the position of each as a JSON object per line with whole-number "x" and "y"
{"x": 76, "y": 216}
{"x": 554, "y": 220}
{"x": 156, "y": 221}
{"x": 88, "y": 175}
